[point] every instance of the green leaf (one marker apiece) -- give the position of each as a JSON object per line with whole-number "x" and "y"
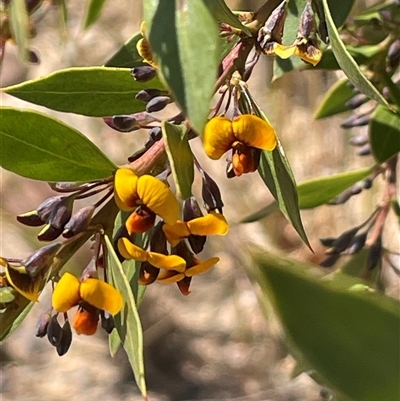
{"x": 187, "y": 52}
{"x": 36, "y": 146}
{"x": 91, "y": 91}
{"x": 347, "y": 63}
{"x": 334, "y": 101}
{"x": 384, "y": 134}
{"x": 264, "y": 212}
{"x": 277, "y": 175}
{"x": 222, "y": 13}
{"x": 316, "y": 192}
{"x": 340, "y": 14}
{"x": 127, "y": 322}
{"x": 337, "y": 331}
{"x": 127, "y": 56}
{"x": 180, "y": 157}
{"x": 93, "y": 12}
{"x": 20, "y": 26}
{"x": 7, "y": 294}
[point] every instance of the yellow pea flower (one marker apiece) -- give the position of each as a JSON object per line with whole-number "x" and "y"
{"x": 143, "y": 47}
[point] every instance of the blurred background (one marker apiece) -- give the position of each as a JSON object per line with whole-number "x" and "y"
{"x": 217, "y": 343}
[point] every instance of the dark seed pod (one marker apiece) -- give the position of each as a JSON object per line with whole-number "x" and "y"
{"x": 356, "y": 121}
{"x": 356, "y": 101}
{"x": 155, "y": 134}
{"x": 374, "y": 254}
{"x": 43, "y": 323}
{"x": 197, "y": 242}
{"x": 41, "y": 260}
{"x": 157, "y": 103}
{"x": 358, "y": 243}
{"x": 330, "y": 260}
{"x": 107, "y": 322}
{"x": 343, "y": 241}
{"x": 211, "y": 193}
{"x": 323, "y": 31}
{"x": 54, "y": 331}
{"x": 328, "y": 242}
{"x": 79, "y": 222}
{"x": 49, "y": 233}
{"x": 145, "y": 95}
{"x": 66, "y": 339}
{"x": 365, "y": 150}
{"x": 124, "y": 123}
{"x": 144, "y": 73}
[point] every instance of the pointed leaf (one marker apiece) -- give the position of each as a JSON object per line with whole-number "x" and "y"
{"x": 334, "y": 101}
{"x": 316, "y": 192}
{"x": 36, "y": 146}
{"x": 187, "y": 52}
{"x": 384, "y": 134}
{"x": 127, "y": 321}
{"x": 180, "y": 157}
{"x": 91, "y": 91}
{"x": 338, "y": 331}
{"x": 93, "y": 12}
{"x": 347, "y": 63}
{"x": 127, "y": 56}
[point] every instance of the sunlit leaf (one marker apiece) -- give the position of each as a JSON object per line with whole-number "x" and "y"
{"x": 93, "y": 12}
{"x": 336, "y": 330}
{"x": 317, "y": 191}
{"x": 91, "y": 91}
{"x": 127, "y": 321}
{"x": 37, "y": 146}
{"x": 384, "y": 133}
{"x": 347, "y": 63}
{"x": 180, "y": 157}
{"x": 187, "y": 52}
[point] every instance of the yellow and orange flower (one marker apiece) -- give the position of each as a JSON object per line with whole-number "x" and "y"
{"x": 213, "y": 223}
{"x": 146, "y": 196}
{"x": 242, "y": 134}
{"x": 90, "y": 295}
{"x": 305, "y": 48}
{"x": 143, "y": 47}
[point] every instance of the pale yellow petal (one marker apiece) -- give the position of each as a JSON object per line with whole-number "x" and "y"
{"x": 175, "y": 232}
{"x": 66, "y": 294}
{"x": 254, "y": 131}
{"x": 167, "y": 262}
{"x": 218, "y": 137}
{"x": 101, "y": 295}
{"x": 211, "y": 224}
{"x": 201, "y": 267}
{"x": 158, "y": 198}
{"x": 125, "y": 182}
{"x": 131, "y": 251}
{"x": 284, "y": 51}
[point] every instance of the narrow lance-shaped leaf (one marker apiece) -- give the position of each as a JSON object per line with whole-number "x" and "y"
{"x": 316, "y": 192}
{"x": 337, "y": 330}
{"x": 127, "y": 321}
{"x": 187, "y": 53}
{"x": 93, "y": 12}
{"x": 384, "y": 134}
{"x": 347, "y": 63}
{"x": 91, "y": 91}
{"x": 180, "y": 157}
{"x": 37, "y": 146}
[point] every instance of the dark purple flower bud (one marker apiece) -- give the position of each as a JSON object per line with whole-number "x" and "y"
{"x": 43, "y": 323}
{"x": 356, "y": 101}
{"x": 359, "y": 140}
{"x": 342, "y": 198}
{"x": 144, "y": 73}
{"x": 61, "y": 213}
{"x": 44, "y": 209}
{"x": 344, "y": 240}
{"x": 79, "y": 222}
{"x": 107, "y": 322}
{"x": 66, "y": 339}
{"x": 139, "y": 153}
{"x": 123, "y": 123}
{"x": 155, "y": 134}
{"x": 33, "y": 58}
{"x": 375, "y": 254}
{"x": 393, "y": 56}
{"x": 157, "y": 103}
{"x": 323, "y": 31}
{"x": 356, "y": 121}
{"x": 31, "y": 219}
{"x": 145, "y": 95}
{"x": 308, "y": 26}
{"x": 54, "y": 331}
{"x": 365, "y": 150}
{"x": 39, "y": 216}
{"x": 49, "y": 233}
{"x": 357, "y": 243}
{"x": 328, "y": 242}
{"x": 330, "y": 260}
{"x": 211, "y": 193}
{"x": 367, "y": 183}
{"x": 41, "y": 260}
{"x": 356, "y": 188}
